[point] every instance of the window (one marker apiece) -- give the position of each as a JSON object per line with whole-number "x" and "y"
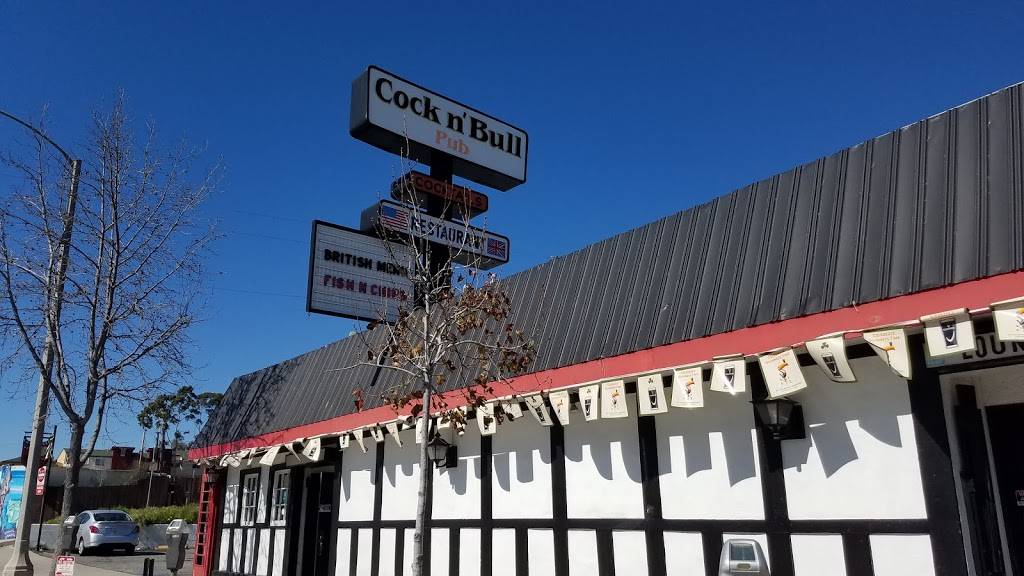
{"x": 742, "y": 552}
{"x": 112, "y": 517}
{"x": 249, "y": 487}
{"x": 279, "y": 498}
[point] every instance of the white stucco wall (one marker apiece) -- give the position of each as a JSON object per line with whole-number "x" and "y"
{"x": 503, "y": 552}
{"x": 818, "y": 555}
{"x": 401, "y": 477}
{"x": 457, "y": 490}
{"x": 602, "y": 467}
{"x": 521, "y": 470}
{"x": 859, "y": 459}
{"x": 439, "y": 552}
{"x": 469, "y": 552}
{"x": 387, "y": 552}
{"x": 902, "y": 554}
{"x": 630, "y": 552}
{"x": 708, "y": 460}
{"x": 583, "y": 553}
{"x": 684, "y": 553}
{"x": 357, "y": 478}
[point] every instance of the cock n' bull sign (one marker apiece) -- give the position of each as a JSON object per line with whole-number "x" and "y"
{"x": 404, "y": 118}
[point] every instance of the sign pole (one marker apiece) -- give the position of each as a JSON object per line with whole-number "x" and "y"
{"x": 442, "y": 167}
{"x": 46, "y": 483}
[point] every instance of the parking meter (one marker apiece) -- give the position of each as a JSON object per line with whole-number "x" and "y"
{"x": 68, "y": 533}
{"x": 177, "y": 538}
{"x": 742, "y": 557}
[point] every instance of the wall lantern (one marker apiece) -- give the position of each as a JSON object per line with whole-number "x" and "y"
{"x": 441, "y": 453}
{"x": 782, "y": 418}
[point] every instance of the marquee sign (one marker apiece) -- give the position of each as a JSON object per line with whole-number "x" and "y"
{"x": 356, "y": 275}
{"x": 407, "y": 119}
{"x": 474, "y": 246}
{"x": 464, "y": 202}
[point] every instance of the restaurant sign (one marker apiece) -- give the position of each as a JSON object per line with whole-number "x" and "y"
{"x": 357, "y": 275}
{"x": 471, "y": 246}
{"x": 406, "y": 119}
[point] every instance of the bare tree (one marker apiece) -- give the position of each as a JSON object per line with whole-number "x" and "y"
{"x": 130, "y": 248}
{"x": 457, "y": 333}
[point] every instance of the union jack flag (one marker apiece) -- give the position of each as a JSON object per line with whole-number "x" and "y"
{"x": 394, "y": 217}
{"x": 497, "y": 248}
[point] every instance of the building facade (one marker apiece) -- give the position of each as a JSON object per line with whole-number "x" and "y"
{"x": 903, "y": 458}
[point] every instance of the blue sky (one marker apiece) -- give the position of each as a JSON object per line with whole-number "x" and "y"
{"x": 633, "y": 113}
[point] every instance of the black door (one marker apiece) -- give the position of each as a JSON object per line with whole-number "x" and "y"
{"x": 319, "y": 524}
{"x": 1006, "y": 433}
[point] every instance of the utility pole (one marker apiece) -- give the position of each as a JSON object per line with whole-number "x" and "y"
{"x": 20, "y": 564}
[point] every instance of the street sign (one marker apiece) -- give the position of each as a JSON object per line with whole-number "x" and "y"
{"x": 65, "y": 566}
{"x": 356, "y": 275}
{"x": 464, "y": 202}
{"x": 472, "y": 246}
{"x": 406, "y": 119}
{"x": 41, "y": 481}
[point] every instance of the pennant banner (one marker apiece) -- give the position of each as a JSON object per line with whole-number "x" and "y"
{"x": 782, "y": 374}
{"x": 891, "y": 345}
{"x": 729, "y": 374}
{"x": 343, "y": 440}
{"x": 539, "y": 409}
{"x": 588, "y": 401}
{"x": 688, "y": 387}
{"x": 1009, "y": 320}
{"x": 948, "y": 333}
{"x": 313, "y": 450}
{"x": 392, "y": 428}
{"x": 613, "y": 400}
{"x": 560, "y": 404}
{"x": 485, "y": 419}
{"x": 830, "y": 355}
{"x": 377, "y": 433}
{"x": 512, "y": 409}
{"x": 358, "y": 434}
{"x": 650, "y": 395}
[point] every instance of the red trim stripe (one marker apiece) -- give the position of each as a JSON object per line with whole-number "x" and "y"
{"x": 972, "y": 295}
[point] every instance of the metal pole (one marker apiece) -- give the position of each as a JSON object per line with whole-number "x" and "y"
{"x": 46, "y": 487}
{"x": 19, "y": 563}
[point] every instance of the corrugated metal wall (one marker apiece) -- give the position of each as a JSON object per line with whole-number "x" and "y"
{"x": 935, "y": 203}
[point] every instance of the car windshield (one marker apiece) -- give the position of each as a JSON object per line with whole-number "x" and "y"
{"x": 111, "y": 517}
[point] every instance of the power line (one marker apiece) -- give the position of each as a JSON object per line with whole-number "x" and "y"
{"x": 257, "y": 292}
{"x": 271, "y": 216}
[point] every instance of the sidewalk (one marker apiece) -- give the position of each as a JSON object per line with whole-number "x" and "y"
{"x": 42, "y": 565}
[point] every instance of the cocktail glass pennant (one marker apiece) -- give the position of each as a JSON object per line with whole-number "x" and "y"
{"x": 312, "y": 450}
{"x": 290, "y": 446}
{"x": 512, "y": 409}
{"x": 891, "y": 345}
{"x": 1008, "y": 317}
{"x": 729, "y": 374}
{"x": 829, "y": 353}
{"x": 560, "y": 404}
{"x": 392, "y": 428}
{"x": 377, "y": 433}
{"x": 420, "y": 431}
{"x": 589, "y": 401}
{"x": 485, "y": 419}
{"x": 268, "y": 458}
{"x": 948, "y": 333}
{"x": 613, "y": 399}
{"x": 650, "y": 395}
{"x": 539, "y": 409}
{"x": 358, "y": 435}
{"x": 343, "y": 440}
{"x": 782, "y": 374}
{"x": 688, "y": 387}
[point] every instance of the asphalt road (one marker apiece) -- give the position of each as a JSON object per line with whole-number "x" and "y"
{"x": 119, "y": 562}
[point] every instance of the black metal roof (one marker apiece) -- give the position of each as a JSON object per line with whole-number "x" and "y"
{"x": 934, "y": 203}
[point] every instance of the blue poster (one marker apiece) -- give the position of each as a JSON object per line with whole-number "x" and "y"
{"x": 12, "y": 483}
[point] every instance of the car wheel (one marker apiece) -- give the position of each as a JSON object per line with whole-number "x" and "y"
{"x": 82, "y": 550}
{"x": 129, "y": 550}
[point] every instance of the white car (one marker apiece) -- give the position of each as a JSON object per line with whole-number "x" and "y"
{"x": 106, "y": 529}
